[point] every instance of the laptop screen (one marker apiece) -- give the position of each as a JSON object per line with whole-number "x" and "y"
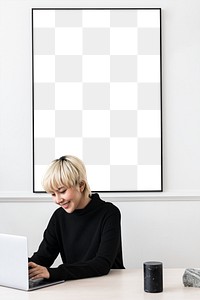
{"x": 14, "y": 261}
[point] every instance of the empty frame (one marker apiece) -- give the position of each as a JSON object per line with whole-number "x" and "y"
{"x": 97, "y": 94}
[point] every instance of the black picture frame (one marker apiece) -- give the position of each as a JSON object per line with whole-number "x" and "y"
{"x": 148, "y": 91}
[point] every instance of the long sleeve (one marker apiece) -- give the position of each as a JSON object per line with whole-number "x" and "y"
{"x": 108, "y": 256}
{"x": 89, "y": 242}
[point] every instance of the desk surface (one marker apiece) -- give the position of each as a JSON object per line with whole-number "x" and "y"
{"x": 118, "y": 284}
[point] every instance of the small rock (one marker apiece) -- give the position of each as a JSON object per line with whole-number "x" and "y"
{"x": 191, "y": 278}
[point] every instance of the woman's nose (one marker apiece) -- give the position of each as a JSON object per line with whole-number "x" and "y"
{"x": 59, "y": 199}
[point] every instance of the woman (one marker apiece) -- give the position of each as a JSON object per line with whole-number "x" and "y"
{"x": 85, "y": 230}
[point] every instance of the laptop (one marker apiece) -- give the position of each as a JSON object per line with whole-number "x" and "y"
{"x": 14, "y": 264}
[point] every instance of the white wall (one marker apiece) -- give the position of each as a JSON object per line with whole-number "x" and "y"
{"x": 162, "y": 230}
{"x": 155, "y": 226}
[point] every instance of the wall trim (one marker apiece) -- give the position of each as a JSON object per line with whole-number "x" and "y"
{"x": 112, "y": 197}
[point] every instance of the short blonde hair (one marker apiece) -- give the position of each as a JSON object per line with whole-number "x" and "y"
{"x": 67, "y": 171}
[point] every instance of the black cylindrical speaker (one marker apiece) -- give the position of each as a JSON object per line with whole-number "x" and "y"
{"x": 153, "y": 277}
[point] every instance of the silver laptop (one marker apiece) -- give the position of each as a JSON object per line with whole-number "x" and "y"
{"x": 14, "y": 264}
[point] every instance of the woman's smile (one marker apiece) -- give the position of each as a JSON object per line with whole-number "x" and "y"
{"x": 65, "y": 205}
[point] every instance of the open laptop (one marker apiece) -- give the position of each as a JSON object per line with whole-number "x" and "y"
{"x": 14, "y": 264}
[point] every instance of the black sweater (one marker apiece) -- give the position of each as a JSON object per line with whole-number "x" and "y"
{"x": 88, "y": 240}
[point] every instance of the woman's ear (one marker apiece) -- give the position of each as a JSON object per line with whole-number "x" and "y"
{"x": 82, "y": 186}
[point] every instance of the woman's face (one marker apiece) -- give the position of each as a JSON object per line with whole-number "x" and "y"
{"x": 71, "y": 198}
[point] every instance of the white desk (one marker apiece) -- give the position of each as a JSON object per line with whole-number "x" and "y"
{"x": 117, "y": 285}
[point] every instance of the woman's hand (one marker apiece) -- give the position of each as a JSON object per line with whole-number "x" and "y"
{"x": 37, "y": 271}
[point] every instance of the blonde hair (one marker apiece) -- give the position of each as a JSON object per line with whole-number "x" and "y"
{"x": 67, "y": 171}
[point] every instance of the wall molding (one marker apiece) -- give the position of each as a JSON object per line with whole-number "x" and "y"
{"x": 9, "y": 197}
